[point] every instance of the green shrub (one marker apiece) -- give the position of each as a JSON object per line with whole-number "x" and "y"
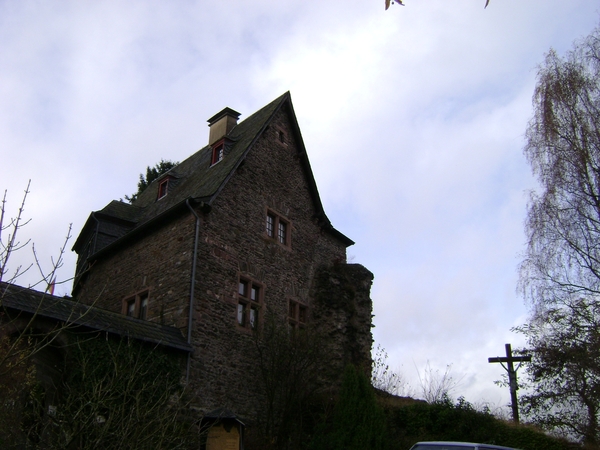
{"x": 460, "y": 421}
{"x": 358, "y": 422}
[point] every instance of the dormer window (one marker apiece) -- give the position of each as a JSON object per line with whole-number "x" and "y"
{"x": 218, "y": 151}
{"x": 163, "y": 188}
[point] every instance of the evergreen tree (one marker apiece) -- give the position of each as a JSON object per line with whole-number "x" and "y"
{"x": 152, "y": 173}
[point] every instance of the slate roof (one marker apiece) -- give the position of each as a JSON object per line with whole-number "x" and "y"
{"x": 121, "y": 210}
{"x": 196, "y": 180}
{"x": 222, "y": 414}
{"x": 66, "y": 310}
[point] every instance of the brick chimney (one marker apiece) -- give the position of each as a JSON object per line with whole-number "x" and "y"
{"x": 221, "y": 124}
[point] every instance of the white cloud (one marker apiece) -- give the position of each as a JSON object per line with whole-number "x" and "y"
{"x": 413, "y": 119}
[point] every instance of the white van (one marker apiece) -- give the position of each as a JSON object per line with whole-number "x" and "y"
{"x": 441, "y": 445}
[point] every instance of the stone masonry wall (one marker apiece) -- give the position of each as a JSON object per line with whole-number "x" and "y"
{"x": 159, "y": 263}
{"x": 342, "y": 311}
{"x": 235, "y": 244}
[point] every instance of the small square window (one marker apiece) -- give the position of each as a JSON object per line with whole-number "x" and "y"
{"x": 297, "y": 314}
{"x": 136, "y": 306}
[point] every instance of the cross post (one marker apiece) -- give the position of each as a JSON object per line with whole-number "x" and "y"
{"x": 512, "y": 376}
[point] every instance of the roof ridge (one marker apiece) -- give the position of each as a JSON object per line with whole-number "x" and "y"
{"x": 286, "y": 95}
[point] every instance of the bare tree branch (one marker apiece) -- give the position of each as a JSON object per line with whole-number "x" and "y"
{"x": 560, "y": 274}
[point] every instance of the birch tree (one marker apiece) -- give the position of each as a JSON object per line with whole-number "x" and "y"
{"x": 560, "y": 274}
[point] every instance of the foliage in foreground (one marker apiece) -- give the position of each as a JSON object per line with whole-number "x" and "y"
{"x": 358, "y": 421}
{"x": 460, "y": 421}
{"x": 384, "y": 378}
{"x": 289, "y": 366}
{"x": 114, "y": 394}
{"x": 564, "y": 372}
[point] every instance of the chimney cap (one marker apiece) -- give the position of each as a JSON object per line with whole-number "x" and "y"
{"x": 225, "y": 112}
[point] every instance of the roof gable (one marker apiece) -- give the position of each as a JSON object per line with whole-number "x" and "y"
{"x": 198, "y": 178}
{"x": 200, "y": 181}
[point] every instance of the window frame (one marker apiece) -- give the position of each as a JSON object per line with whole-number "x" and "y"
{"x": 163, "y": 188}
{"x": 248, "y": 313}
{"x": 298, "y": 314}
{"x": 273, "y": 227}
{"x": 140, "y": 301}
{"x": 218, "y": 152}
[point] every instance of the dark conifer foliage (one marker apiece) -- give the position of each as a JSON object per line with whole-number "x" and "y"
{"x": 152, "y": 173}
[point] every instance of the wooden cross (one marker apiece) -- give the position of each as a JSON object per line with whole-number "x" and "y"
{"x": 512, "y": 376}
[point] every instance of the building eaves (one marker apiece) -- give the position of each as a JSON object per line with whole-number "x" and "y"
{"x": 152, "y": 222}
{"x": 312, "y": 184}
{"x": 222, "y": 414}
{"x": 121, "y": 210}
{"x": 124, "y": 214}
{"x": 34, "y": 303}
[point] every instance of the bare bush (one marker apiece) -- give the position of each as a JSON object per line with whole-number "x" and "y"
{"x": 385, "y": 379}
{"x": 436, "y": 386}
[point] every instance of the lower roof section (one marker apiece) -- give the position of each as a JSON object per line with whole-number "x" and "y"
{"x": 27, "y": 301}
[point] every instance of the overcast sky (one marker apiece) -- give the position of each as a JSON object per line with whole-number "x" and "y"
{"x": 413, "y": 119}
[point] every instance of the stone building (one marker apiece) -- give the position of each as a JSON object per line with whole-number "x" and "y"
{"x": 233, "y": 235}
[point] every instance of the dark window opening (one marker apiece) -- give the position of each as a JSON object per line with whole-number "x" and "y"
{"x": 270, "y": 225}
{"x": 136, "y": 306}
{"x": 253, "y": 317}
{"x": 241, "y": 314}
{"x": 249, "y": 300}
{"x": 243, "y": 288}
{"x": 278, "y": 228}
{"x": 163, "y": 188}
{"x": 282, "y": 232}
{"x": 297, "y": 314}
{"x": 143, "y": 306}
{"x": 217, "y": 153}
{"x": 131, "y": 308}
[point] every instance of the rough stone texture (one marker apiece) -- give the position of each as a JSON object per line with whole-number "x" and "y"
{"x": 233, "y": 243}
{"x": 159, "y": 262}
{"x": 342, "y": 310}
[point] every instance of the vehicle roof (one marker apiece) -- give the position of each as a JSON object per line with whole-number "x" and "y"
{"x": 463, "y": 444}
